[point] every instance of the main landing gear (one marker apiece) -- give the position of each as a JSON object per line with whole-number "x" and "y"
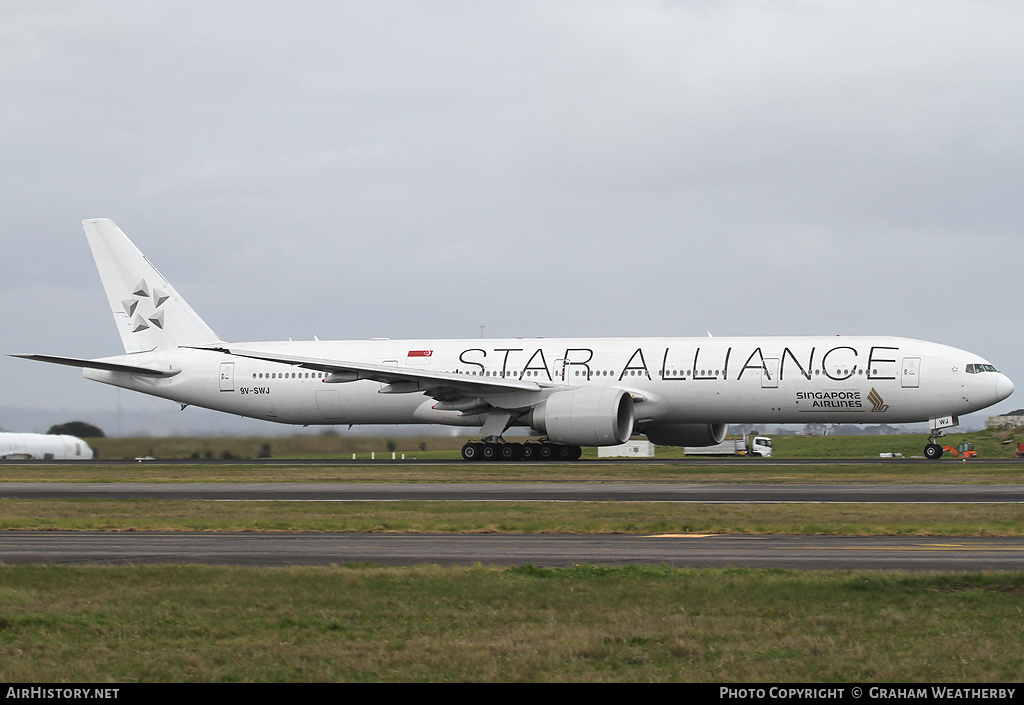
{"x": 503, "y": 450}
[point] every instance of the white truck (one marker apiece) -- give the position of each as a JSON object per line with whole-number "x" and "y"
{"x": 760, "y": 446}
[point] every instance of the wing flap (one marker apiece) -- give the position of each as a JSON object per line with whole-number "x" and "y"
{"x": 445, "y": 386}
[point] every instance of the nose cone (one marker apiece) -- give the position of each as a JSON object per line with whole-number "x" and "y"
{"x": 1004, "y": 387}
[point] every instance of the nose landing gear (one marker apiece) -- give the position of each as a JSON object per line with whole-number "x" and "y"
{"x": 933, "y": 451}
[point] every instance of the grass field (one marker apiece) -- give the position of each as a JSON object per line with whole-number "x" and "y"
{"x": 146, "y": 624}
{"x": 576, "y": 624}
{"x": 514, "y": 517}
{"x": 989, "y": 444}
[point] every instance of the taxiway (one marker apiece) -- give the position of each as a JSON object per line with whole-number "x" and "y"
{"x": 282, "y": 549}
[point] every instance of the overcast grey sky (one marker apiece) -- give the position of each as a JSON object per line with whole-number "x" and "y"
{"x": 581, "y": 168}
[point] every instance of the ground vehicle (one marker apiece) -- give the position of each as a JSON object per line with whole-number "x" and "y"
{"x": 760, "y": 446}
{"x": 1020, "y": 450}
{"x": 964, "y": 450}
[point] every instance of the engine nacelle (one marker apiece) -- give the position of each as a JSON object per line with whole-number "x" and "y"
{"x": 686, "y": 434}
{"x": 591, "y": 416}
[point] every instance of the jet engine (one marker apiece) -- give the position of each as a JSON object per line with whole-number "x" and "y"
{"x": 686, "y": 434}
{"x": 591, "y": 416}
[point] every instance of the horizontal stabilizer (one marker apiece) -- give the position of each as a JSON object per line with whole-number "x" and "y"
{"x": 100, "y": 365}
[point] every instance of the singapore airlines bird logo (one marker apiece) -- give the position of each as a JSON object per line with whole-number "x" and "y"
{"x": 877, "y": 403}
{"x": 143, "y": 320}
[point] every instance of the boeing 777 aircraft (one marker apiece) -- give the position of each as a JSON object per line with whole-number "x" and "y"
{"x": 576, "y": 392}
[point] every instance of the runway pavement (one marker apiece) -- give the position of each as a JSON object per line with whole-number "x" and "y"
{"x": 280, "y": 549}
{"x": 956, "y": 554}
{"x": 521, "y": 492}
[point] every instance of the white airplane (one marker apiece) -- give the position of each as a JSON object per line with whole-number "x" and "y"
{"x": 43, "y": 446}
{"x": 576, "y": 392}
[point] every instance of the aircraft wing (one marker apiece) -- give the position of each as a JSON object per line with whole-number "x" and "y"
{"x": 443, "y": 386}
{"x": 100, "y": 365}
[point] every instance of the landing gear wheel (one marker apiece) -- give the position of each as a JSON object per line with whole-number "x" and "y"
{"x": 489, "y": 451}
{"x": 933, "y": 451}
{"x": 471, "y": 451}
{"x": 545, "y": 451}
{"x": 529, "y": 451}
{"x": 510, "y": 451}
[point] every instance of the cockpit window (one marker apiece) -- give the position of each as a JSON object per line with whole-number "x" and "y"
{"x": 979, "y": 367}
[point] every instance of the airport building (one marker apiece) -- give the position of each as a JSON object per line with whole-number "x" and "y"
{"x": 1010, "y": 420}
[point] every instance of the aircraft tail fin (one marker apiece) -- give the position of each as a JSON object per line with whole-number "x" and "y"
{"x": 148, "y": 311}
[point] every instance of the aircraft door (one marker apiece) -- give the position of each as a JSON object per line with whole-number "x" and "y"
{"x": 332, "y": 407}
{"x": 911, "y": 376}
{"x": 770, "y": 373}
{"x": 227, "y": 376}
{"x": 560, "y": 370}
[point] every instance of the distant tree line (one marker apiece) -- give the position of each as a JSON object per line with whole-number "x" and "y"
{"x": 77, "y": 428}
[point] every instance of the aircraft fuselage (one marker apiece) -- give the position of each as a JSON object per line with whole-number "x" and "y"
{"x": 673, "y": 380}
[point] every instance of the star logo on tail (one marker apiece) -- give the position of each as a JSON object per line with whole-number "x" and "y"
{"x": 142, "y": 321}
